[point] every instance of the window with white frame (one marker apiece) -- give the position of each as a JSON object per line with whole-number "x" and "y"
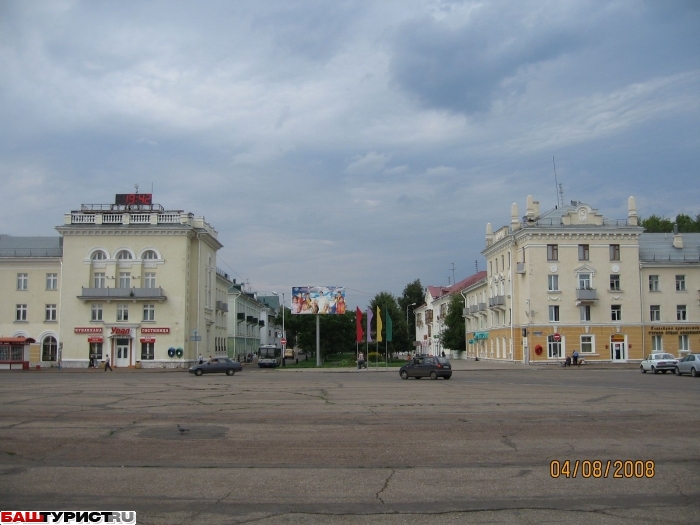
{"x": 583, "y": 252}
{"x": 96, "y": 312}
{"x": 124, "y": 254}
{"x": 149, "y": 312}
{"x": 122, "y": 312}
{"x": 99, "y": 255}
{"x": 99, "y": 280}
{"x": 52, "y": 281}
{"x": 22, "y": 281}
{"x": 614, "y": 252}
{"x": 616, "y": 312}
{"x": 553, "y": 283}
{"x": 552, "y": 252}
{"x": 587, "y": 344}
{"x": 655, "y": 312}
{"x": 150, "y": 254}
{"x": 150, "y": 280}
{"x": 653, "y": 283}
{"x": 49, "y": 349}
{"x": 50, "y": 312}
{"x": 147, "y": 351}
{"x": 585, "y": 311}
{"x": 21, "y": 312}
{"x": 657, "y": 343}
{"x": 681, "y": 313}
{"x": 584, "y": 281}
{"x": 124, "y": 279}
{"x": 614, "y": 282}
{"x": 555, "y": 349}
{"x": 684, "y": 343}
{"x": 554, "y": 314}
{"x": 680, "y": 283}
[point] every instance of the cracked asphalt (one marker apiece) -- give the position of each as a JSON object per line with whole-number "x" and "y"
{"x": 350, "y": 447}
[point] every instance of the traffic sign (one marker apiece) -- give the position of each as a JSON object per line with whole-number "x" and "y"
{"x": 283, "y": 341}
{"x": 556, "y": 338}
{"x": 196, "y": 338}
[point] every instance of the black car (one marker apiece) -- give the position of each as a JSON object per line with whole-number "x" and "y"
{"x": 217, "y": 364}
{"x": 427, "y": 366}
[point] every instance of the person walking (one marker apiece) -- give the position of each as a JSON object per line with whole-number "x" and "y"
{"x": 107, "y": 364}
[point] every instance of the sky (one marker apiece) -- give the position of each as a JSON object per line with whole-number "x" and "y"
{"x": 357, "y": 143}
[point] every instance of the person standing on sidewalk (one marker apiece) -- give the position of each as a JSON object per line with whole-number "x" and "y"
{"x": 107, "y": 364}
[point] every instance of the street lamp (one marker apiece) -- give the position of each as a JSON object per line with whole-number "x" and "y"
{"x": 283, "y": 334}
{"x": 407, "y": 307}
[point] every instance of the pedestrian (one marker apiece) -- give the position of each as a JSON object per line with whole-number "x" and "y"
{"x": 575, "y": 356}
{"x": 567, "y": 361}
{"x": 107, "y": 364}
{"x": 59, "y": 365}
{"x": 443, "y": 353}
{"x": 200, "y": 359}
{"x": 361, "y": 361}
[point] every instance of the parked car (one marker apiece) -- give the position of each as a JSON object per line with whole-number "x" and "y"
{"x": 658, "y": 363}
{"x": 690, "y": 364}
{"x": 426, "y": 366}
{"x": 217, "y": 364}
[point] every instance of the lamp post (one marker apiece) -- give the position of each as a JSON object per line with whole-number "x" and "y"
{"x": 407, "y": 307}
{"x": 283, "y": 334}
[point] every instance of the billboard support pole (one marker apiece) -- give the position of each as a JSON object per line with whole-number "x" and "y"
{"x": 318, "y": 341}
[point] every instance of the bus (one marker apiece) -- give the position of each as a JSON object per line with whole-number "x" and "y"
{"x": 269, "y": 356}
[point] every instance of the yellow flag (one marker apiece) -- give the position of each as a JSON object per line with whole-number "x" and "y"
{"x": 379, "y": 325}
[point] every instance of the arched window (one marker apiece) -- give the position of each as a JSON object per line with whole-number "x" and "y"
{"x": 150, "y": 254}
{"x": 49, "y": 349}
{"x": 99, "y": 255}
{"x": 124, "y": 254}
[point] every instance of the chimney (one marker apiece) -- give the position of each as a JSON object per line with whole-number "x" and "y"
{"x": 632, "y": 218}
{"x": 489, "y": 234}
{"x": 677, "y": 238}
{"x": 536, "y": 209}
{"x": 514, "y": 221}
{"x": 529, "y": 211}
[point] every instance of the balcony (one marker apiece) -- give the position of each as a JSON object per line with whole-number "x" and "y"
{"x": 473, "y": 309}
{"x": 482, "y": 307}
{"x": 497, "y": 302}
{"x": 586, "y": 295}
{"x": 222, "y": 305}
{"x": 133, "y": 294}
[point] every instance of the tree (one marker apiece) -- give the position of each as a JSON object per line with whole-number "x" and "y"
{"x": 389, "y": 305}
{"x": 413, "y": 294}
{"x": 337, "y": 332}
{"x": 454, "y": 334}
{"x": 656, "y": 224}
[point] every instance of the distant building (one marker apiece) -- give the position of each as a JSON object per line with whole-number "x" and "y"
{"x": 246, "y": 321}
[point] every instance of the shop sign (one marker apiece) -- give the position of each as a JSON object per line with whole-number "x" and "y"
{"x": 145, "y": 330}
{"x": 95, "y": 339}
{"x": 148, "y": 339}
{"x": 617, "y": 338}
{"x": 674, "y": 330}
{"x": 87, "y": 330}
{"x": 121, "y": 331}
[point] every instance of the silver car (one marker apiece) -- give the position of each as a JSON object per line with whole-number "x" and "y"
{"x": 690, "y": 364}
{"x": 656, "y": 363}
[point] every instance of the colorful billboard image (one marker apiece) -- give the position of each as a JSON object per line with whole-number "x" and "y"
{"x": 318, "y": 300}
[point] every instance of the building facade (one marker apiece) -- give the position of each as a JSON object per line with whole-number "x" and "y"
{"x": 245, "y": 322}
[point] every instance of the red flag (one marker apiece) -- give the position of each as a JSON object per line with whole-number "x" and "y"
{"x": 358, "y": 325}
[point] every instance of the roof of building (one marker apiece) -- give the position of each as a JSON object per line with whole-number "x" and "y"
{"x": 658, "y": 247}
{"x": 440, "y": 291}
{"x": 11, "y": 246}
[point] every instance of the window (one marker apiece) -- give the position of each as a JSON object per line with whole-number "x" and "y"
{"x": 653, "y": 283}
{"x": 99, "y": 280}
{"x": 124, "y": 254}
{"x": 150, "y": 254}
{"x": 614, "y": 252}
{"x": 554, "y": 348}
{"x": 149, "y": 312}
{"x": 96, "y": 350}
{"x": 657, "y": 343}
{"x": 655, "y": 312}
{"x": 122, "y": 312}
{"x": 99, "y": 255}
{"x": 681, "y": 313}
{"x": 552, "y": 252}
{"x": 587, "y": 346}
{"x": 21, "y": 312}
{"x": 51, "y": 281}
{"x": 583, "y": 252}
{"x": 684, "y": 343}
{"x": 50, "y": 312}
{"x": 584, "y": 281}
{"x": 553, "y": 283}
{"x": 680, "y": 283}
{"x": 147, "y": 351}
{"x": 96, "y": 312}
{"x": 22, "y": 281}
{"x": 585, "y": 312}
{"x": 124, "y": 279}
{"x": 614, "y": 282}
{"x": 616, "y": 312}
{"x": 553, "y": 314}
{"x": 150, "y": 280}
{"x": 49, "y": 349}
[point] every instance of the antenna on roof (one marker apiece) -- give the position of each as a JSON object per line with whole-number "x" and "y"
{"x": 476, "y": 265}
{"x": 561, "y": 192}
{"x": 556, "y": 184}
{"x": 136, "y": 187}
{"x": 453, "y": 273}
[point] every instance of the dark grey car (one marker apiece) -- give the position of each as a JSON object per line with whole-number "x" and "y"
{"x": 217, "y": 364}
{"x": 690, "y": 364}
{"x": 427, "y": 366}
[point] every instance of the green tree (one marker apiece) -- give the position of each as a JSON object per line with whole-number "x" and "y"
{"x": 413, "y": 296}
{"x": 453, "y": 335}
{"x": 686, "y": 224}
{"x": 389, "y": 305}
{"x": 336, "y": 332}
{"x": 656, "y": 224}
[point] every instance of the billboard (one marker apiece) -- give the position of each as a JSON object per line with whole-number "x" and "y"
{"x": 318, "y": 300}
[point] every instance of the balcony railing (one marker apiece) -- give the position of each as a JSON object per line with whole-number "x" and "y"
{"x": 586, "y": 294}
{"x": 107, "y": 294}
{"x": 499, "y": 300}
{"x": 482, "y": 307}
{"x": 222, "y": 305}
{"x": 473, "y": 309}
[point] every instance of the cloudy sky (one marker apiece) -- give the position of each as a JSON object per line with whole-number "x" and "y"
{"x": 356, "y": 143}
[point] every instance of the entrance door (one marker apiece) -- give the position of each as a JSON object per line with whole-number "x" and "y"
{"x": 618, "y": 352}
{"x": 122, "y": 358}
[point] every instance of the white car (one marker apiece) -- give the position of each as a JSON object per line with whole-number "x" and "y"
{"x": 658, "y": 363}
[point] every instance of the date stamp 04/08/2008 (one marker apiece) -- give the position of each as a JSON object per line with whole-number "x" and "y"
{"x": 611, "y": 468}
